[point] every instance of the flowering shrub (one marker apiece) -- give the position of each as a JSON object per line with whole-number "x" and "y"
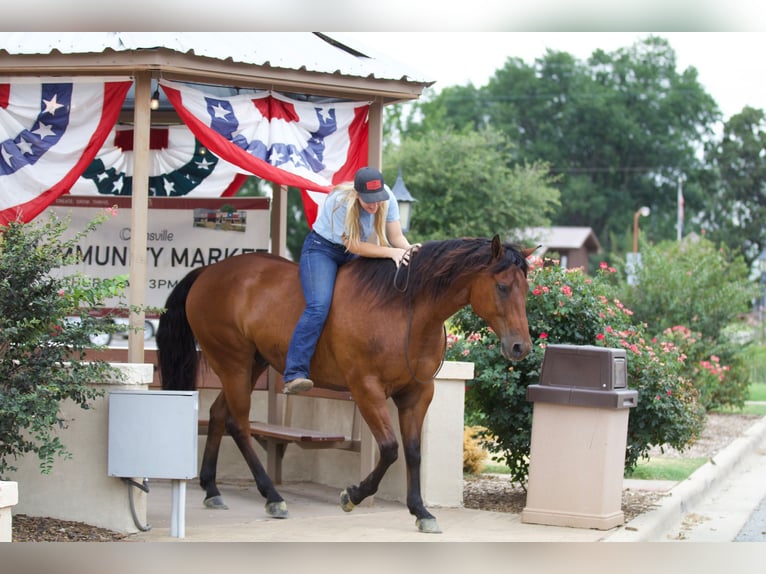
{"x": 42, "y": 349}
{"x": 569, "y": 307}
{"x": 717, "y": 368}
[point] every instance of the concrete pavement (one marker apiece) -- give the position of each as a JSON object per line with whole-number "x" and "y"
{"x": 712, "y": 504}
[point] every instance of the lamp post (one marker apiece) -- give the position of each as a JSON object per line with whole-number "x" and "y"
{"x": 644, "y": 211}
{"x": 405, "y": 201}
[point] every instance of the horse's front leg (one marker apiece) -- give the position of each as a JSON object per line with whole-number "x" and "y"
{"x": 412, "y": 412}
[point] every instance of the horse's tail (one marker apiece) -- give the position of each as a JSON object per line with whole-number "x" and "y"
{"x": 176, "y": 345}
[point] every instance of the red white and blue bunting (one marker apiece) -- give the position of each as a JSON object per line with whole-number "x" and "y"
{"x": 50, "y": 131}
{"x": 178, "y": 166}
{"x": 61, "y": 136}
{"x": 305, "y": 144}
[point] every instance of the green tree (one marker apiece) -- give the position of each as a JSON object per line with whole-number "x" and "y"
{"x": 46, "y": 320}
{"x": 465, "y": 186}
{"x": 736, "y": 213}
{"x": 619, "y": 128}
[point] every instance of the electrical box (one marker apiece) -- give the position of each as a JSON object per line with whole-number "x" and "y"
{"x": 153, "y": 434}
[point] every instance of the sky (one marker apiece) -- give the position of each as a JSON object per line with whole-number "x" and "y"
{"x": 730, "y": 65}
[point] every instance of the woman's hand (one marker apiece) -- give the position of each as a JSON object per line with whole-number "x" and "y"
{"x": 402, "y": 256}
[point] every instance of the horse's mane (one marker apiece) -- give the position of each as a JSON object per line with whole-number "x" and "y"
{"x": 432, "y": 269}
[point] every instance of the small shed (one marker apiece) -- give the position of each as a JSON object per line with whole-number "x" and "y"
{"x": 573, "y": 244}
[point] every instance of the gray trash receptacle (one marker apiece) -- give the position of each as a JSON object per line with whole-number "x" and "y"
{"x": 579, "y": 435}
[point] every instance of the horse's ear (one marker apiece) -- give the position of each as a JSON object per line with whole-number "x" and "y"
{"x": 529, "y": 251}
{"x": 497, "y": 247}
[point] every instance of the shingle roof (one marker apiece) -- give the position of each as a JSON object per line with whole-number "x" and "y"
{"x": 564, "y": 237}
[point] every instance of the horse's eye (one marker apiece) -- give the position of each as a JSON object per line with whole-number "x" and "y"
{"x": 502, "y": 289}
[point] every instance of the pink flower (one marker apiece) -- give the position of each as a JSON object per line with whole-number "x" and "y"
{"x": 600, "y": 337}
{"x": 543, "y": 335}
{"x": 604, "y": 265}
{"x": 566, "y": 290}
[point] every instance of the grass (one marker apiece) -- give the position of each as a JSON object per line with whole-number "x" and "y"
{"x": 495, "y": 468}
{"x": 757, "y": 392}
{"x": 749, "y": 409}
{"x": 656, "y": 468}
{"x": 659, "y": 468}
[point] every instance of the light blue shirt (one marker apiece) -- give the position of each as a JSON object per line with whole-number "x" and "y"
{"x": 330, "y": 223}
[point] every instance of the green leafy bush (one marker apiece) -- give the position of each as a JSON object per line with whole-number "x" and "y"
{"x": 693, "y": 292}
{"x": 690, "y": 283}
{"x": 46, "y": 319}
{"x": 569, "y": 307}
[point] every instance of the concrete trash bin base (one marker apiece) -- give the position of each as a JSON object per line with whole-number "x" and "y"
{"x": 577, "y": 455}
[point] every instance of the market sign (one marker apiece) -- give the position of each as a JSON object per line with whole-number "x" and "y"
{"x": 182, "y": 234}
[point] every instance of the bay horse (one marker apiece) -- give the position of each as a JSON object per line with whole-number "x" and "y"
{"x": 384, "y": 337}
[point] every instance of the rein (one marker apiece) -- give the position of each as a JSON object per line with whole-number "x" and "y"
{"x": 403, "y": 289}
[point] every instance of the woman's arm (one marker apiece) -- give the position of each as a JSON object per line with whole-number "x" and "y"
{"x": 399, "y": 243}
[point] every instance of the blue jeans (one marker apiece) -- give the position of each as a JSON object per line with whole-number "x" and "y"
{"x": 320, "y": 260}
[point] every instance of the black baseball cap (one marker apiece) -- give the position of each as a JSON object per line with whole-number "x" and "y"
{"x": 368, "y": 183}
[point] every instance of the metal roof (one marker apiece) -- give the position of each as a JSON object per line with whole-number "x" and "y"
{"x": 299, "y": 51}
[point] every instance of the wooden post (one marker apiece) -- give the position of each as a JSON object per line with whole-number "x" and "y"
{"x": 139, "y": 215}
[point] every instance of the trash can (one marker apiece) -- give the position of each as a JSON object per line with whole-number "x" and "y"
{"x": 579, "y": 436}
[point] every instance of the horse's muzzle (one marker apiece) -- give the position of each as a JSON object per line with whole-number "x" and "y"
{"x": 515, "y": 350}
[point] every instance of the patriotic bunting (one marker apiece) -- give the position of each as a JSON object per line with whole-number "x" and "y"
{"x": 178, "y": 166}
{"x": 309, "y": 145}
{"x": 50, "y": 131}
{"x": 59, "y": 136}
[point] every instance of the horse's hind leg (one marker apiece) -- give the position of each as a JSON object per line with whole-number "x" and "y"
{"x": 237, "y": 390}
{"x": 207, "y": 475}
{"x": 231, "y": 412}
{"x": 375, "y": 413}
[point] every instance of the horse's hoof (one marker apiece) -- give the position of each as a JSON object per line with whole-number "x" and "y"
{"x": 277, "y": 509}
{"x": 216, "y": 503}
{"x": 428, "y": 525}
{"x": 345, "y": 502}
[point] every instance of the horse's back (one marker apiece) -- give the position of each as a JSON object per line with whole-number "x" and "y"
{"x": 255, "y": 296}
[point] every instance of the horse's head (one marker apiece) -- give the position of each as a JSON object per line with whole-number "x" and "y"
{"x": 499, "y": 297}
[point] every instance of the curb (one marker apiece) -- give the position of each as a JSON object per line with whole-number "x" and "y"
{"x": 654, "y": 525}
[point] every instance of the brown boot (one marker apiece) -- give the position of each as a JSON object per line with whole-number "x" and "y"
{"x": 298, "y": 385}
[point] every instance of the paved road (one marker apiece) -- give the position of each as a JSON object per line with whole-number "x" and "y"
{"x": 735, "y": 508}
{"x": 754, "y": 529}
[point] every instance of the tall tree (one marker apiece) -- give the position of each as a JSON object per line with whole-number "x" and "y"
{"x": 619, "y": 128}
{"x": 464, "y": 185}
{"x": 736, "y": 213}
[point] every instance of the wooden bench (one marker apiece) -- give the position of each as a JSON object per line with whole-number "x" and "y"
{"x": 276, "y": 434}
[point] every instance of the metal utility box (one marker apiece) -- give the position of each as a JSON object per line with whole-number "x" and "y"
{"x": 584, "y": 375}
{"x": 579, "y": 436}
{"x": 153, "y": 434}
